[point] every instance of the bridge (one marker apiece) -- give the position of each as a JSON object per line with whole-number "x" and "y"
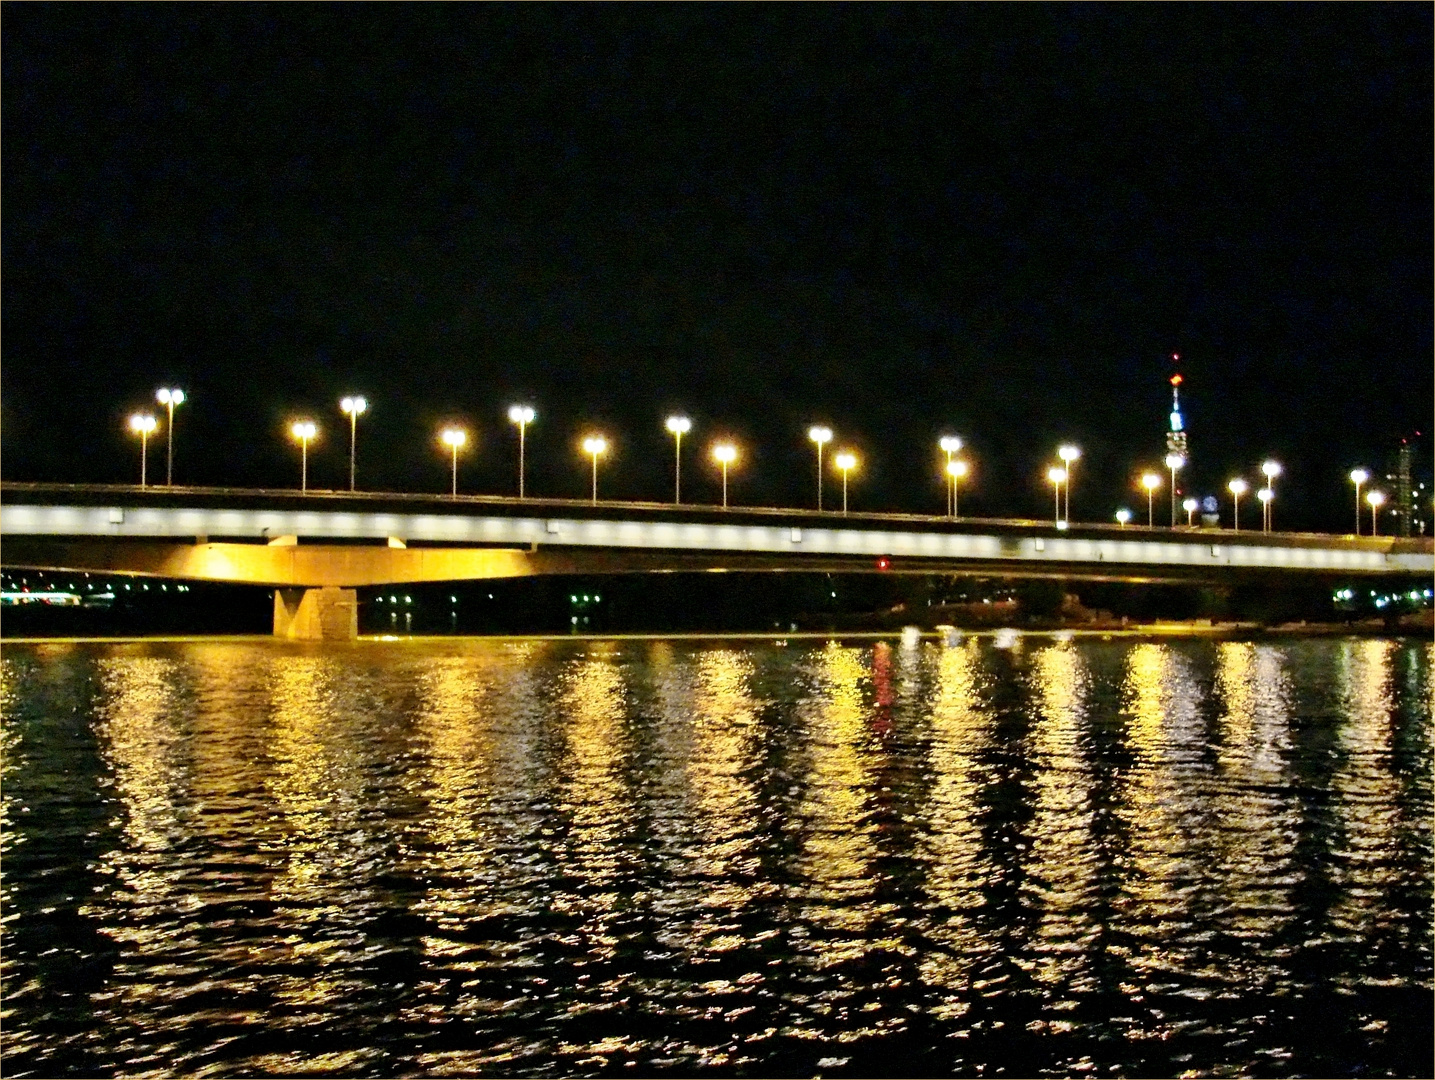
{"x": 316, "y": 548}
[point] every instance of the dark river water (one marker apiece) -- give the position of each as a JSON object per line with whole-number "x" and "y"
{"x": 466, "y": 857}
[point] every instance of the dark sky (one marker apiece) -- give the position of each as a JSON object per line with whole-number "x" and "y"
{"x": 903, "y": 220}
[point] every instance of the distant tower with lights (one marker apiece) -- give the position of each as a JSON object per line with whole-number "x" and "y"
{"x": 1176, "y": 437}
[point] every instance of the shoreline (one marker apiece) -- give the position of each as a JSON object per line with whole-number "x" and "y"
{"x": 1199, "y": 629}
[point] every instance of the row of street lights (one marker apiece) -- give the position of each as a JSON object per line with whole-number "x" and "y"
{"x": 725, "y": 454}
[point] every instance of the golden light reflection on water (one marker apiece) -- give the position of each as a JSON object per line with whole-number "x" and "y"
{"x": 452, "y": 726}
{"x": 1161, "y": 811}
{"x": 1366, "y": 787}
{"x": 839, "y": 847}
{"x": 316, "y": 780}
{"x": 1062, "y": 861}
{"x": 957, "y": 863}
{"x": 595, "y": 796}
{"x": 142, "y": 736}
{"x": 1255, "y": 815}
{"x": 724, "y": 737}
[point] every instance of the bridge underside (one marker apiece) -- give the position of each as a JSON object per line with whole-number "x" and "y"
{"x": 350, "y": 566}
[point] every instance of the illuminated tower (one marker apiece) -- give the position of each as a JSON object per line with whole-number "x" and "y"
{"x": 1176, "y": 437}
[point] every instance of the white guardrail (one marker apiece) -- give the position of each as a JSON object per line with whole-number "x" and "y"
{"x": 694, "y": 536}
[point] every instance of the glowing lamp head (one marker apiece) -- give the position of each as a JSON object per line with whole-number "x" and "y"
{"x": 454, "y": 437}
{"x": 679, "y": 425}
{"x": 1069, "y": 454}
{"x": 303, "y": 430}
{"x": 521, "y": 414}
{"x": 170, "y": 397}
{"x": 958, "y": 468}
{"x": 1376, "y": 498}
{"x": 353, "y": 406}
{"x": 1265, "y": 494}
{"x": 1151, "y": 481}
{"x": 1175, "y": 379}
{"x": 1056, "y": 475}
{"x": 845, "y": 460}
{"x": 1238, "y": 487}
{"x": 1358, "y": 476}
{"x": 1175, "y": 461}
{"x": 142, "y": 423}
{"x": 819, "y": 435}
{"x": 1190, "y": 505}
{"x": 950, "y": 443}
{"x": 595, "y": 445}
{"x": 1272, "y": 469}
{"x": 1123, "y": 515}
{"x": 725, "y": 453}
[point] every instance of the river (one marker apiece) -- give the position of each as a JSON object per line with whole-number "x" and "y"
{"x": 583, "y": 857}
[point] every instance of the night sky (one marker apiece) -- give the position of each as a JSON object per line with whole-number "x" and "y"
{"x": 998, "y": 221}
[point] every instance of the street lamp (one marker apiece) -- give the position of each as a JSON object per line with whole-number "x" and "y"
{"x": 595, "y": 445}
{"x": 1266, "y": 494}
{"x": 1190, "y": 506}
{"x": 1237, "y": 488}
{"x": 1376, "y": 499}
{"x": 679, "y": 426}
{"x": 950, "y": 444}
{"x": 142, "y": 424}
{"x": 1123, "y": 516}
{"x": 303, "y": 430}
{"x": 957, "y": 470}
{"x": 1056, "y": 474}
{"x": 1358, "y": 477}
{"x": 453, "y": 438}
{"x": 819, "y": 435}
{"x": 352, "y": 407}
{"x": 1174, "y": 462}
{"x": 1068, "y": 454}
{"x": 169, "y": 399}
{"x": 846, "y": 461}
{"x": 1272, "y": 469}
{"x": 521, "y": 415}
{"x": 725, "y": 454}
{"x": 1150, "y": 481}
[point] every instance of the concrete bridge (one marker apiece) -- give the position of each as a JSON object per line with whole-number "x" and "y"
{"x": 316, "y": 548}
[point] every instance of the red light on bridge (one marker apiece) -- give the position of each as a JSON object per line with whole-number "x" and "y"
{"x": 884, "y": 563}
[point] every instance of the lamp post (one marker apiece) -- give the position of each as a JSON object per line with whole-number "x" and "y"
{"x": 1123, "y": 516}
{"x": 352, "y": 407}
{"x": 1056, "y": 474}
{"x": 679, "y": 426}
{"x": 453, "y": 438}
{"x": 1272, "y": 469}
{"x": 1150, "y": 481}
{"x": 819, "y": 435}
{"x": 1376, "y": 499}
{"x": 845, "y": 461}
{"x": 522, "y": 415}
{"x": 1266, "y": 494}
{"x": 1174, "y": 462}
{"x": 595, "y": 445}
{"x": 169, "y": 399}
{"x": 1068, "y": 454}
{"x": 957, "y": 470}
{"x": 303, "y": 430}
{"x": 1358, "y": 477}
{"x": 950, "y": 444}
{"x": 1237, "y": 488}
{"x": 1190, "y": 506}
{"x": 725, "y": 454}
{"x": 142, "y": 424}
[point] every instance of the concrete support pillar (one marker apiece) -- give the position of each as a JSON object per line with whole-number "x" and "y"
{"x": 316, "y": 614}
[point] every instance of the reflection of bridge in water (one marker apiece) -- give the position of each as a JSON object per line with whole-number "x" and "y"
{"x": 315, "y": 548}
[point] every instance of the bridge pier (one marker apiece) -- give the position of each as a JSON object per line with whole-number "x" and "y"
{"x": 327, "y": 614}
